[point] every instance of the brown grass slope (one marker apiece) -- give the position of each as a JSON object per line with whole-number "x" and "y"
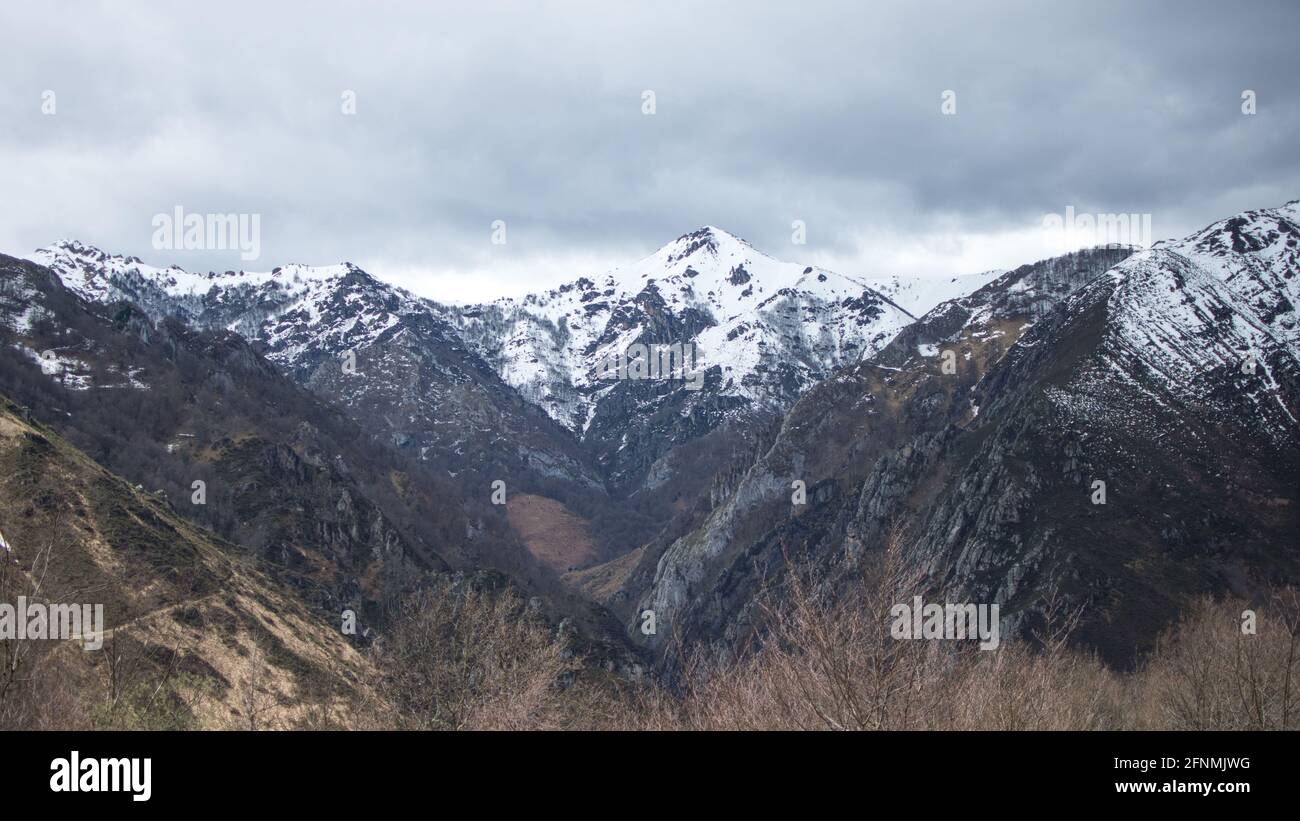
{"x": 196, "y": 635}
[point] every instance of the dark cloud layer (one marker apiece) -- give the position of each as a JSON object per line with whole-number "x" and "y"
{"x": 531, "y": 113}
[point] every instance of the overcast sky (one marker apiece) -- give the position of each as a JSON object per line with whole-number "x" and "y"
{"x": 533, "y": 113}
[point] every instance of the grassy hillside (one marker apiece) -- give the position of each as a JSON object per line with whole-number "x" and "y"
{"x": 196, "y": 635}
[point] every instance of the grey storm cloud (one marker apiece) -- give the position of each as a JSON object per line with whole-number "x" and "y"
{"x": 531, "y": 113}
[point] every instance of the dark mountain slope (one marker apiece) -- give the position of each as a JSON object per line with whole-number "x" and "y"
{"x": 374, "y": 350}
{"x": 1135, "y": 380}
{"x": 284, "y": 475}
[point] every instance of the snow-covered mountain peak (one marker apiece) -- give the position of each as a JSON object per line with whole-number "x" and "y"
{"x": 1179, "y": 333}
{"x": 303, "y": 313}
{"x": 1257, "y": 253}
{"x": 769, "y": 328}
{"x": 71, "y": 247}
{"x": 711, "y": 271}
{"x": 708, "y": 241}
{"x": 701, "y": 261}
{"x": 98, "y": 275}
{"x": 92, "y": 272}
{"x": 1266, "y": 232}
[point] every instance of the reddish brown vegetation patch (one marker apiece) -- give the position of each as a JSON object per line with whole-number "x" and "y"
{"x": 553, "y": 534}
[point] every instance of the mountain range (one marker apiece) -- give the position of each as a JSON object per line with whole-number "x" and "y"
{"x": 971, "y": 418}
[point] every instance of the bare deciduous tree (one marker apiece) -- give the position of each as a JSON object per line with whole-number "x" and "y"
{"x": 461, "y": 658}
